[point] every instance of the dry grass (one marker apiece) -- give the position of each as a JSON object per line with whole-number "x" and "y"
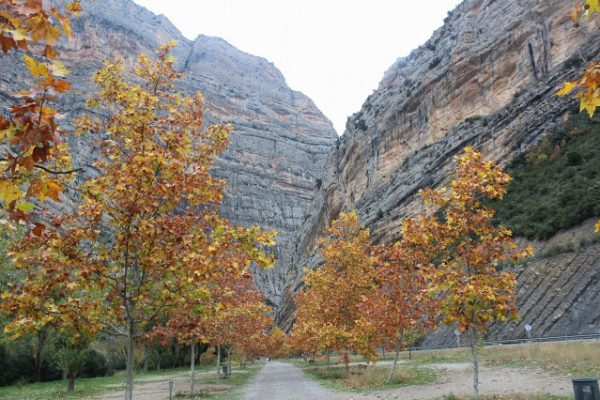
{"x": 373, "y": 377}
{"x": 574, "y": 358}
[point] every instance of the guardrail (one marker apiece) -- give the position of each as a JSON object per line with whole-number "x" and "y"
{"x": 541, "y": 339}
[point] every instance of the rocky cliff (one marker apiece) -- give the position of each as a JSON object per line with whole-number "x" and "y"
{"x": 280, "y": 140}
{"x": 486, "y": 79}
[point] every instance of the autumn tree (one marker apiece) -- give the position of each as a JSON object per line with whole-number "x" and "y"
{"x": 146, "y": 231}
{"x": 470, "y": 279}
{"x": 400, "y": 308}
{"x": 35, "y": 160}
{"x": 226, "y": 311}
{"x": 330, "y": 306}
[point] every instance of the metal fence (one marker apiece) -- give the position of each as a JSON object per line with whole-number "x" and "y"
{"x": 541, "y": 339}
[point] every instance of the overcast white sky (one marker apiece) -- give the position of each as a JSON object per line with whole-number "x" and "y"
{"x": 333, "y": 51}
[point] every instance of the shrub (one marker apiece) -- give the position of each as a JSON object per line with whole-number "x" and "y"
{"x": 94, "y": 364}
{"x": 555, "y": 185}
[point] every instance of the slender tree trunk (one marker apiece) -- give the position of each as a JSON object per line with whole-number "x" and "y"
{"x": 218, "y": 363}
{"x": 393, "y": 369}
{"x": 158, "y": 361}
{"x": 145, "y": 358}
{"x": 71, "y": 385}
{"x": 383, "y": 352}
{"x": 193, "y": 367}
{"x": 475, "y": 362}
{"x": 328, "y": 359}
{"x": 41, "y": 339}
{"x": 229, "y": 362}
{"x": 130, "y": 362}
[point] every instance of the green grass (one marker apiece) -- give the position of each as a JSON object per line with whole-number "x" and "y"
{"x": 371, "y": 378}
{"x": 556, "y": 184}
{"x": 84, "y": 387}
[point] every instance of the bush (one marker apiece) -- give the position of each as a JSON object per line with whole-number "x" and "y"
{"x": 94, "y": 364}
{"x": 556, "y": 184}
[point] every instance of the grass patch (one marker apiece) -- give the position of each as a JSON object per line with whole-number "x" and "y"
{"x": 84, "y": 387}
{"x": 373, "y": 377}
{"x": 424, "y": 357}
{"x": 577, "y": 359}
{"x": 57, "y": 390}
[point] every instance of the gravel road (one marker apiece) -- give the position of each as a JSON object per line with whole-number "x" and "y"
{"x": 279, "y": 381}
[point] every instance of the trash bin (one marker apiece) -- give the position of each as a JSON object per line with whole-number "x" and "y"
{"x": 586, "y": 389}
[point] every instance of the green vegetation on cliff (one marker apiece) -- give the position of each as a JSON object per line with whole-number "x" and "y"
{"x": 556, "y": 184}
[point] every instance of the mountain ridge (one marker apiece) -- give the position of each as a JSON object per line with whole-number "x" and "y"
{"x": 280, "y": 139}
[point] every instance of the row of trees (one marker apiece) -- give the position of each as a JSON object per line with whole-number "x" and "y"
{"x": 144, "y": 255}
{"x": 449, "y": 267}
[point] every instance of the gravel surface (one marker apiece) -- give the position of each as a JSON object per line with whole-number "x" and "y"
{"x": 281, "y": 381}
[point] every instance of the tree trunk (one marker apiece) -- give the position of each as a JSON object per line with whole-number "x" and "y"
{"x": 145, "y": 358}
{"x": 229, "y": 362}
{"x": 158, "y": 361}
{"x": 41, "y": 339}
{"x": 193, "y": 367}
{"x": 130, "y": 363}
{"x": 475, "y": 362}
{"x": 328, "y": 359}
{"x": 218, "y": 363}
{"x": 383, "y": 349}
{"x": 393, "y": 369}
{"x": 71, "y": 385}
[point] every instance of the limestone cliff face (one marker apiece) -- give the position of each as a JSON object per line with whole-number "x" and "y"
{"x": 280, "y": 140}
{"x": 487, "y": 79}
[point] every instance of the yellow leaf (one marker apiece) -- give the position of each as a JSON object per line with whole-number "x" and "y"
{"x": 53, "y": 190}
{"x": 592, "y": 6}
{"x": 589, "y": 102}
{"x": 9, "y": 192}
{"x": 19, "y": 34}
{"x": 58, "y": 69}
{"x": 568, "y": 88}
{"x": 35, "y": 68}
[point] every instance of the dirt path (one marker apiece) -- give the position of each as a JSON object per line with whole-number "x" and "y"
{"x": 279, "y": 381}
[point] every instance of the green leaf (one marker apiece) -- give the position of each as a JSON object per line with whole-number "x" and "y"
{"x": 25, "y": 207}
